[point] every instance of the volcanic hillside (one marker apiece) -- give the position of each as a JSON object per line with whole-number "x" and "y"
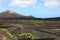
{"x": 10, "y": 14}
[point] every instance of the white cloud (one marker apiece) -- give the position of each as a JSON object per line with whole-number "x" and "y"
{"x": 52, "y": 3}
{"x": 22, "y": 3}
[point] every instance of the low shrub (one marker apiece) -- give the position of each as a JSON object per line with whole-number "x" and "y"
{"x": 12, "y": 37}
{"x": 36, "y": 22}
{"x": 26, "y": 35}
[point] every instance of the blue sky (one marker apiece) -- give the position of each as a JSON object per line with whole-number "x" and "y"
{"x": 37, "y": 8}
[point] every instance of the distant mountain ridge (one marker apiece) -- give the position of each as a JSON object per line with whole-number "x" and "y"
{"x": 12, "y": 14}
{"x": 54, "y": 18}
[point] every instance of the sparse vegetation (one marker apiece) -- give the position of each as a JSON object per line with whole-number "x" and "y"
{"x": 26, "y": 35}
{"x": 36, "y": 22}
{"x": 12, "y": 37}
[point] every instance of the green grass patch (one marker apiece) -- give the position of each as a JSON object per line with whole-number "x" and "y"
{"x": 36, "y": 22}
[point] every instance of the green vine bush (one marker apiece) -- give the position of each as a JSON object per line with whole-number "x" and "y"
{"x": 36, "y": 22}
{"x": 26, "y": 35}
{"x": 14, "y": 37}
